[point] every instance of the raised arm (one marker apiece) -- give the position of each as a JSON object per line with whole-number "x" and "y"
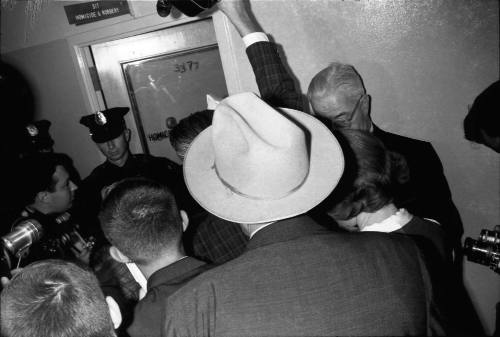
{"x": 275, "y": 84}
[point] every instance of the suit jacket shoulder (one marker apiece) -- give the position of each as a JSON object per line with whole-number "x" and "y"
{"x": 405, "y": 145}
{"x": 321, "y": 284}
{"x": 427, "y": 194}
{"x": 161, "y": 285}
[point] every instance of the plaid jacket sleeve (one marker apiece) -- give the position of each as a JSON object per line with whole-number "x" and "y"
{"x": 275, "y": 84}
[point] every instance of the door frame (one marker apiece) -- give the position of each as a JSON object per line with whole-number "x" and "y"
{"x": 231, "y": 50}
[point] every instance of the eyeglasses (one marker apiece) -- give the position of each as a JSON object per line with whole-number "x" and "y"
{"x": 344, "y": 120}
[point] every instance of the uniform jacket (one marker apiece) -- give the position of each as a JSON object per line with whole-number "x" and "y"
{"x": 88, "y": 196}
{"x": 298, "y": 279}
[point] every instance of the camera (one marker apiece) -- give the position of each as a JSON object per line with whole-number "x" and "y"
{"x": 188, "y": 7}
{"x": 22, "y": 236}
{"x": 29, "y": 239}
{"x": 485, "y": 250}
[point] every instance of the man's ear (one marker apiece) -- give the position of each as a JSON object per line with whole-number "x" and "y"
{"x": 117, "y": 255}
{"x": 43, "y": 197}
{"x": 185, "y": 220}
{"x": 364, "y": 105}
{"x": 126, "y": 132}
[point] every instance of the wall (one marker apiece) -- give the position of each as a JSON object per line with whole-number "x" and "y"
{"x": 50, "y": 69}
{"x": 423, "y": 63}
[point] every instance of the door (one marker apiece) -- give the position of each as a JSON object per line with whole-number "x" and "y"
{"x": 163, "y": 76}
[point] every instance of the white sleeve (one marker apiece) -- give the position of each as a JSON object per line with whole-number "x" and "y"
{"x": 252, "y": 38}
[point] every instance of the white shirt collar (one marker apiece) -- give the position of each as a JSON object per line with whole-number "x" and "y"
{"x": 391, "y": 224}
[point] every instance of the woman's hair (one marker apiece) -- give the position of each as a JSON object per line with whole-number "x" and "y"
{"x": 369, "y": 177}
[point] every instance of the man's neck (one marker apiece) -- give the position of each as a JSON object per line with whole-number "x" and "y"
{"x": 39, "y": 208}
{"x": 166, "y": 260}
{"x": 121, "y": 162}
{"x": 251, "y": 229}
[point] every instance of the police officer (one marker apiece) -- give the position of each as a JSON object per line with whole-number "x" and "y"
{"x": 35, "y": 138}
{"x": 108, "y": 130}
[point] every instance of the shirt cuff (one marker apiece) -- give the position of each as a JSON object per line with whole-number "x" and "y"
{"x": 252, "y": 38}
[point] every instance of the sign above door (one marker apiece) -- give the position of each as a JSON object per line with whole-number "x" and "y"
{"x": 87, "y": 12}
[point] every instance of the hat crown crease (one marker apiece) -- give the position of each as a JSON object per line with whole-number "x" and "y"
{"x": 261, "y": 154}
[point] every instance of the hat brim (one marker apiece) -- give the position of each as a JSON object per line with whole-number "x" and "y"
{"x": 107, "y": 134}
{"x": 326, "y": 168}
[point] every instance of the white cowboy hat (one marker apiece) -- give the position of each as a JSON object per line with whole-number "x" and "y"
{"x": 256, "y": 164}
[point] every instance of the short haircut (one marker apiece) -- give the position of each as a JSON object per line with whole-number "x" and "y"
{"x": 140, "y": 217}
{"x": 484, "y": 115}
{"x": 375, "y": 172}
{"x": 54, "y": 298}
{"x": 183, "y": 134}
{"x": 36, "y": 172}
{"x": 336, "y": 79}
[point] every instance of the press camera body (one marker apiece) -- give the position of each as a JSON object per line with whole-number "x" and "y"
{"x": 485, "y": 250}
{"x": 188, "y": 7}
{"x": 31, "y": 240}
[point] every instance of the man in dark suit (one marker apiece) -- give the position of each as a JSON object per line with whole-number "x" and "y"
{"x": 141, "y": 220}
{"x": 296, "y": 278}
{"x": 210, "y": 238}
{"x": 338, "y": 96}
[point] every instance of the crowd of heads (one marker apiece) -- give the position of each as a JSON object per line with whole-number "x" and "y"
{"x": 255, "y": 167}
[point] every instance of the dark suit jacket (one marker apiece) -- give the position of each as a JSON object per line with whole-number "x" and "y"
{"x": 298, "y": 279}
{"x": 430, "y": 231}
{"x": 276, "y": 86}
{"x": 162, "y": 284}
{"x": 427, "y": 193}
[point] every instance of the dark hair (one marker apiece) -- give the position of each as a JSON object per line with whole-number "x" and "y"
{"x": 54, "y": 298}
{"x": 140, "y": 217}
{"x": 188, "y": 128}
{"x": 36, "y": 172}
{"x": 484, "y": 115}
{"x": 371, "y": 174}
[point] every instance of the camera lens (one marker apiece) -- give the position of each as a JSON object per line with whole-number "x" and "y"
{"x": 24, "y": 235}
{"x": 163, "y": 8}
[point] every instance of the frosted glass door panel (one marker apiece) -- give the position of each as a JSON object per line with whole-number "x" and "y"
{"x": 167, "y": 88}
{"x": 161, "y": 75}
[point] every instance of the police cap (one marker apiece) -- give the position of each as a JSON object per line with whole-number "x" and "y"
{"x": 36, "y": 137}
{"x": 105, "y": 125}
